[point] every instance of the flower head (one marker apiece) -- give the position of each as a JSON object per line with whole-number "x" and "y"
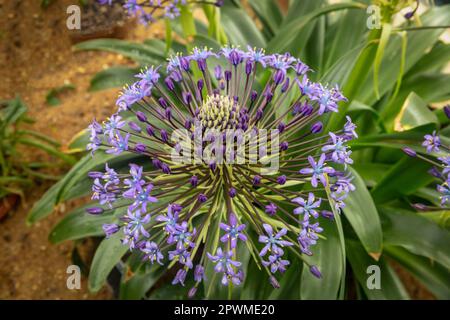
{"x": 210, "y": 151}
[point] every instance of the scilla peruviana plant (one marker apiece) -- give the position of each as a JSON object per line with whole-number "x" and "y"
{"x": 149, "y": 11}
{"x": 258, "y": 176}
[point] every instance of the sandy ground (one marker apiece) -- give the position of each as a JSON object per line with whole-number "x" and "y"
{"x": 35, "y": 56}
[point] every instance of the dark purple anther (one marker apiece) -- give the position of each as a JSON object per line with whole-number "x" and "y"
{"x": 327, "y": 214}
{"x": 140, "y": 148}
{"x": 141, "y": 116}
{"x": 285, "y": 86}
{"x": 95, "y": 175}
{"x": 248, "y": 67}
{"x": 187, "y": 97}
{"x": 188, "y": 124}
{"x": 281, "y": 127}
{"x": 259, "y": 114}
{"x": 200, "y": 84}
{"x": 194, "y": 181}
{"x": 315, "y": 271}
{"x": 227, "y": 75}
{"x": 94, "y": 210}
{"x": 284, "y": 146}
{"x": 110, "y": 229}
{"x": 218, "y": 72}
{"x": 202, "y": 198}
{"x": 169, "y": 84}
{"x": 134, "y": 126}
{"x": 253, "y": 96}
{"x": 447, "y": 111}
{"x": 163, "y": 102}
{"x": 184, "y": 64}
{"x": 274, "y": 282}
{"x": 165, "y": 168}
{"x": 150, "y": 130}
{"x": 232, "y": 192}
{"x": 157, "y": 163}
{"x": 256, "y": 180}
{"x": 316, "y": 127}
{"x": 201, "y": 65}
{"x": 410, "y": 152}
{"x": 213, "y": 166}
{"x": 168, "y": 113}
{"x": 281, "y": 180}
{"x": 278, "y": 77}
{"x": 164, "y": 135}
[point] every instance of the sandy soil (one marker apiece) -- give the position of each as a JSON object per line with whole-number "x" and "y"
{"x": 35, "y": 56}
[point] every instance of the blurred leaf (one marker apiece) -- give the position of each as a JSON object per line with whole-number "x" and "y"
{"x": 404, "y": 178}
{"x": 139, "y": 52}
{"x": 108, "y": 254}
{"x": 362, "y": 214}
{"x": 269, "y": 12}
{"x": 416, "y": 234}
{"x": 414, "y": 113}
{"x": 113, "y": 77}
{"x": 52, "y": 98}
{"x": 79, "y": 224}
{"x": 391, "y": 286}
{"x": 326, "y": 250}
{"x": 240, "y": 29}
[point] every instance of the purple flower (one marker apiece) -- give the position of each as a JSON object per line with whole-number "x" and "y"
{"x": 225, "y": 99}
{"x": 271, "y": 209}
{"x": 110, "y": 229}
{"x": 276, "y": 263}
{"x": 432, "y": 142}
{"x": 223, "y": 261}
{"x": 317, "y": 170}
{"x": 134, "y": 227}
{"x": 339, "y": 153}
{"x": 119, "y": 144}
{"x": 142, "y": 197}
{"x": 444, "y": 190}
{"x": 308, "y": 236}
{"x": 274, "y": 243}
{"x": 233, "y": 231}
{"x": 152, "y": 252}
{"x": 307, "y": 208}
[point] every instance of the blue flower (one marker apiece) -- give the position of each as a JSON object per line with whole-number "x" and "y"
{"x": 432, "y": 142}
{"x": 317, "y": 170}
{"x": 274, "y": 243}
{"x": 308, "y": 236}
{"x": 142, "y": 197}
{"x": 276, "y": 263}
{"x": 134, "y": 227}
{"x": 307, "y": 208}
{"x": 119, "y": 144}
{"x": 224, "y": 262}
{"x": 233, "y": 231}
{"x": 340, "y": 153}
{"x": 152, "y": 252}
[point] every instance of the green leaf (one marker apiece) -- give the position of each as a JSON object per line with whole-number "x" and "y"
{"x": 79, "y": 224}
{"x": 113, "y": 77}
{"x": 416, "y": 234}
{"x": 240, "y": 29}
{"x": 415, "y": 112}
{"x": 432, "y": 275}
{"x": 52, "y": 98}
{"x": 269, "y": 12}
{"x": 326, "y": 250}
{"x": 108, "y": 254}
{"x": 384, "y": 39}
{"x": 404, "y": 178}
{"x": 362, "y": 214}
{"x": 136, "y": 287}
{"x": 391, "y": 286}
{"x": 283, "y": 39}
{"x": 143, "y": 53}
